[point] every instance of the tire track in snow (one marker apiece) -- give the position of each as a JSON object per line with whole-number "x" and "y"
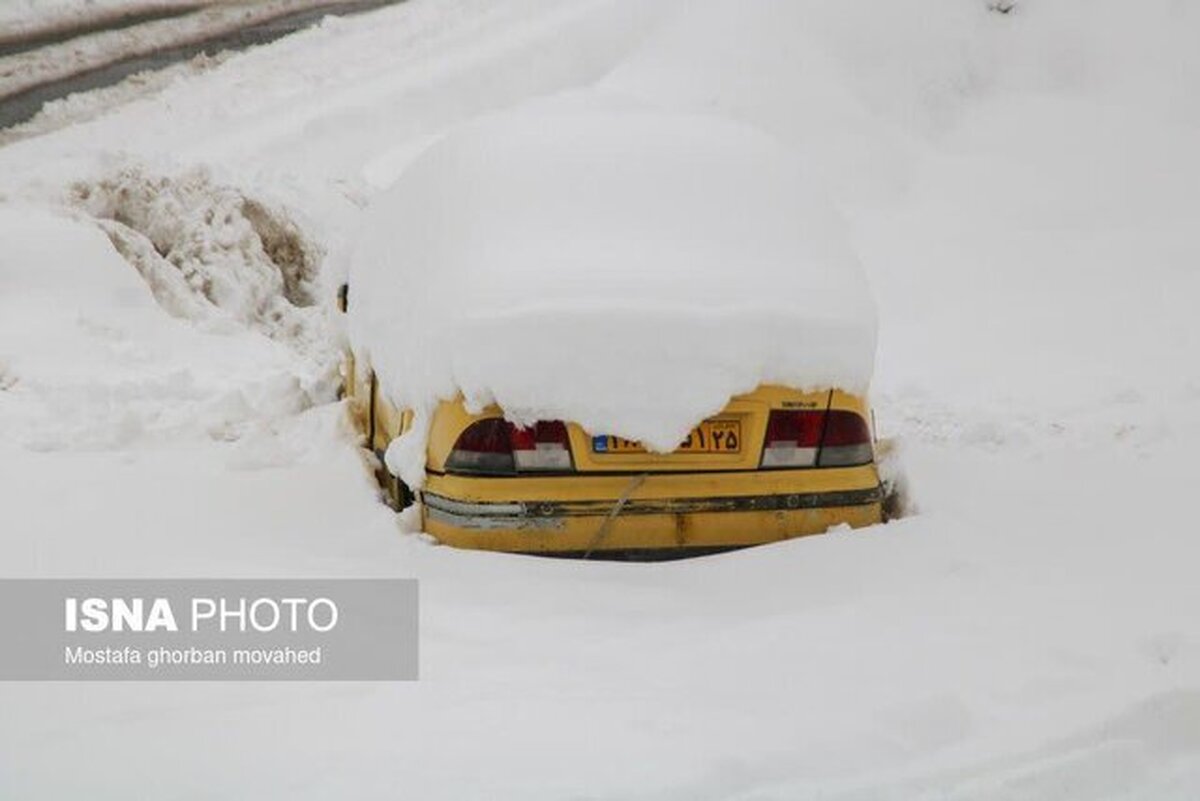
{"x": 27, "y": 37}
{"x": 31, "y": 79}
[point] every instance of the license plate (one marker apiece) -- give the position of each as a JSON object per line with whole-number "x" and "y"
{"x": 711, "y": 436}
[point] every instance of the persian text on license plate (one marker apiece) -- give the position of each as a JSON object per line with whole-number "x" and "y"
{"x": 711, "y": 436}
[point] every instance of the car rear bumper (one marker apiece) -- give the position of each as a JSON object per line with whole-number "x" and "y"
{"x": 576, "y": 514}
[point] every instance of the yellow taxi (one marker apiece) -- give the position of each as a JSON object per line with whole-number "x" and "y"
{"x": 586, "y": 254}
{"x": 776, "y": 463}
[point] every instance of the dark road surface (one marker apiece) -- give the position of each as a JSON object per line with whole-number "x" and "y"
{"x": 25, "y": 105}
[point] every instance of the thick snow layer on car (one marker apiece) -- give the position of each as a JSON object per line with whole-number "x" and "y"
{"x": 592, "y": 261}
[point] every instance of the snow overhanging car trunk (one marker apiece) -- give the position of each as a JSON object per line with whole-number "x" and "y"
{"x": 590, "y": 260}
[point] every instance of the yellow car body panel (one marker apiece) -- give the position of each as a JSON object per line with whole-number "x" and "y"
{"x": 661, "y": 511}
{"x": 625, "y": 502}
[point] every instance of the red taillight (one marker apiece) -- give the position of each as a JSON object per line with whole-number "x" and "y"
{"x": 543, "y": 447}
{"x": 847, "y": 440}
{"x": 811, "y": 438}
{"x": 495, "y": 446}
{"x": 485, "y": 447}
{"x": 793, "y": 438}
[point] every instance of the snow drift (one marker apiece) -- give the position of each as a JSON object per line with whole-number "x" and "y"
{"x": 89, "y": 361}
{"x": 212, "y": 254}
{"x": 587, "y": 259}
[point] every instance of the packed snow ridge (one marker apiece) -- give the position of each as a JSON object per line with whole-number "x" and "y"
{"x": 92, "y": 363}
{"x": 209, "y": 253}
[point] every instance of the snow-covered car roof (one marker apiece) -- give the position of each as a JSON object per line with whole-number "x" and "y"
{"x": 622, "y": 267}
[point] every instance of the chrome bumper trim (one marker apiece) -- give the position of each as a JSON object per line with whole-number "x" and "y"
{"x": 550, "y": 514}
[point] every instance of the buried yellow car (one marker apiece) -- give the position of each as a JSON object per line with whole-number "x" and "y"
{"x": 774, "y": 464}
{"x": 591, "y": 268}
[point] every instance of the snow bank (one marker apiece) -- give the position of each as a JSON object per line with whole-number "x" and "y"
{"x": 88, "y": 359}
{"x": 210, "y": 253}
{"x": 590, "y": 260}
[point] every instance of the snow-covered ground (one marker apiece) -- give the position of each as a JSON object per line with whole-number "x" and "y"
{"x": 1022, "y": 189}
